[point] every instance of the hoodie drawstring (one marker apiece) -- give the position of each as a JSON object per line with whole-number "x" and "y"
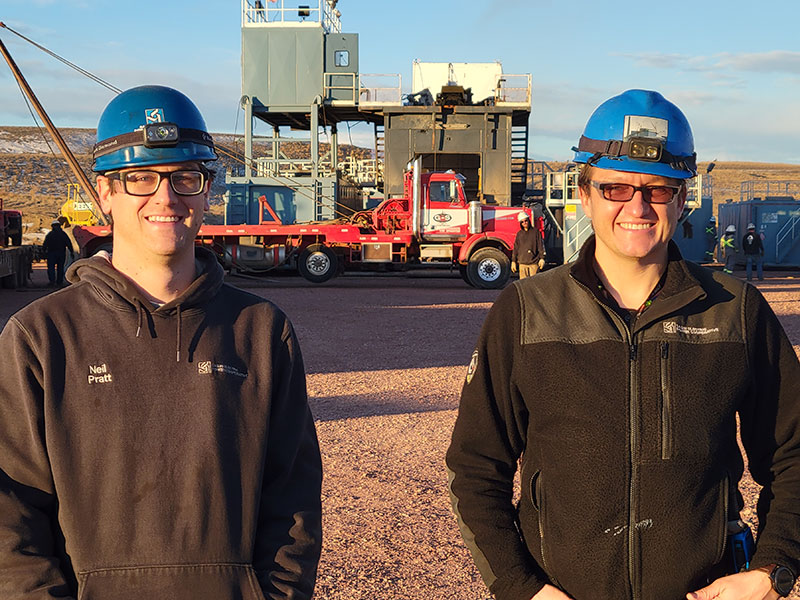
{"x": 139, "y": 312}
{"x": 178, "y": 342}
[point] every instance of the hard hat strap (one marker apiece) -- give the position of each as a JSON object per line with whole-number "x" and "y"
{"x": 617, "y": 148}
{"x": 138, "y": 138}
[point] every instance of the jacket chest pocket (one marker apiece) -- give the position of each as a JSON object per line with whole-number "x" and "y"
{"x": 666, "y": 401}
{"x": 656, "y": 404}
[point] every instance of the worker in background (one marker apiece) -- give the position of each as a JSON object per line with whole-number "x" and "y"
{"x": 527, "y": 255}
{"x": 753, "y": 248}
{"x": 56, "y": 244}
{"x": 610, "y": 388}
{"x": 727, "y": 244}
{"x": 711, "y": 239}
{"x": 155, "y": 436}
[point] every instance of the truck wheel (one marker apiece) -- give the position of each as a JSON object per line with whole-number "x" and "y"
{"x": 488, "y": 268}
{"x": 16, "y": 239}
{"x": 463, "y": 271}
{"x": 317, "y": 263}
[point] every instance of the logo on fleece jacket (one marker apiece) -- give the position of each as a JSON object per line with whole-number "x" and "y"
{"x": 99, "y": 374}
{"x": 673, "y": 327}
{"x": 206, "y": 367}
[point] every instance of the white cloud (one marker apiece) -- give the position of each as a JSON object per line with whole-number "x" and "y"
{"x": 774, "y": 61}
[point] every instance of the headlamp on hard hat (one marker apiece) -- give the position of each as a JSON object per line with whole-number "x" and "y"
{"x": 645, "y": 149}
{"x": 157, "y": 135}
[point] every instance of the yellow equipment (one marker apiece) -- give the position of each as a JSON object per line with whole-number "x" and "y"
{"x": 76, "y": 209}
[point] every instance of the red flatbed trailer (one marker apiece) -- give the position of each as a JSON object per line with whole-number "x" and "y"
{"x": 431, "y": 223}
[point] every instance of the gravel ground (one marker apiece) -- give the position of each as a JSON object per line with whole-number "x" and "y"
{"x": 385, "y": 358}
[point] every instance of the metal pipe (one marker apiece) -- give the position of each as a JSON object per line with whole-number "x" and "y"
{"x": 315, "y": 138}
{"x": 247, "y": 104}
{"x": 334, "y": 148}
{"x": 416, "y": 192}
{"x": 62, "y": 145}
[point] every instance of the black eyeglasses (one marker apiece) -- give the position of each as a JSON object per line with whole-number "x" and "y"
{"x": 623, "y": 192}
{"x": 188, "y": 182}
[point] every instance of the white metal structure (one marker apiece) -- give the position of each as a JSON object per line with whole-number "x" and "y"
{"x": 271, "y": 13}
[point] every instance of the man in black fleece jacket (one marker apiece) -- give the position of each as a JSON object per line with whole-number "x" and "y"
{"x": 155, "y": 436}
{"x": 624, "y": 435}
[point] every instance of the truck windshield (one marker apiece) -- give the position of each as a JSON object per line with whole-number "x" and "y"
{"x": 445, "y": 191}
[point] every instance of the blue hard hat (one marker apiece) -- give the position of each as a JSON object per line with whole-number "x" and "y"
{"x": 150, "y": 125}
{"x": 639, "y": 131}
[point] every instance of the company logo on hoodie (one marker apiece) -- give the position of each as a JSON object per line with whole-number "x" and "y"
{"x": 206, "y": 367}
{"x": 99, "y": 374}
{"x": 673, "y": 327}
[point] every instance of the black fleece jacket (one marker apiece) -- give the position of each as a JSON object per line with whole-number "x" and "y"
{"x": 625, "y": 436}
{"x": 155, "y": 453}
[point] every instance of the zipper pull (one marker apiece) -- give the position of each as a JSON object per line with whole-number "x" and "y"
{"x": 664, "y": 349}
{"x": 634, "y": 348}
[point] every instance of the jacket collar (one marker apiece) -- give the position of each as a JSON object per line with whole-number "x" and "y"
{"x": 680, "y": 286}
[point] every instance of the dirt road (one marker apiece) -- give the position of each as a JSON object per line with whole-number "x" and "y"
{"x": 385, "y": 358}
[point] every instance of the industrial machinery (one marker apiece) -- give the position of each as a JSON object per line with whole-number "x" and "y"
{"x": 568, "y": 227}
{"x": 15, "y": 259}
{"x": 304, "y": 211}
{"x": 774, "y": 208}
{"x": 433, "y": 222}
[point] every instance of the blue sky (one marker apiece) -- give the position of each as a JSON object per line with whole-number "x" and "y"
{"x": 732, "y": 66}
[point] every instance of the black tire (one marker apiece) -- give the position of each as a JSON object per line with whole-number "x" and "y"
{"x": 462, "y": 270}
{"x": 318, "y": 263}
{"x": 16, "y": 239}
{"x": 488, "y": 269}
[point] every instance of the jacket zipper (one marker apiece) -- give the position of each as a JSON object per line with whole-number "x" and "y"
{"x": 634, "y": 442}
{"x": 538, "y": 498}
{"x": 666, "y": 405}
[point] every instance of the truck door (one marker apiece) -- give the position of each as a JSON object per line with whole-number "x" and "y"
{"x": 444, "y": 213}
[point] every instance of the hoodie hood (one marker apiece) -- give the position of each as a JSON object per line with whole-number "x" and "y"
{"x": 116, "y": 289}
{"x": 119, "y": 292}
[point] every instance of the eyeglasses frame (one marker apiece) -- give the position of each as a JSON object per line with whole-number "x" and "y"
{"x": 643, "y": 189}
{"x": 118, "y": 176}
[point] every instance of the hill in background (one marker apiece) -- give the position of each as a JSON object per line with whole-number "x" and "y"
{"x": 34, "y": 175}
{"x": 33, "y": 179}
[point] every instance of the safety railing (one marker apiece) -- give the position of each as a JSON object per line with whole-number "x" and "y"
{"x": 259, "y": 13}
{"x": 339, "y": 88}
{"x": 561, "y": 188}
{"x": 513, "y": 90}
{"x": 761, "y": 189}
{"x": 575, "y": 236}
{"x": 362, "y": 170}
{"x": 380, "y": 89}
{"x": 697, "y": 188}
{"x": 787, "y": 237}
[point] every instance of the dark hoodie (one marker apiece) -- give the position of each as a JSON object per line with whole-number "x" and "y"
{"x": 155, "y": 452}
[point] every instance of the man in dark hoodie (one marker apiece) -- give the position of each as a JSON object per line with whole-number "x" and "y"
{"x": 528, "y": 252}
{"x": 155, "y": 436}
{"x": 624, "y": 435}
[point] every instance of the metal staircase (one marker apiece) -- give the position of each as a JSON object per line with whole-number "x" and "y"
{"x": 519, "y": 163}
{"x": 380, "y": 154}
